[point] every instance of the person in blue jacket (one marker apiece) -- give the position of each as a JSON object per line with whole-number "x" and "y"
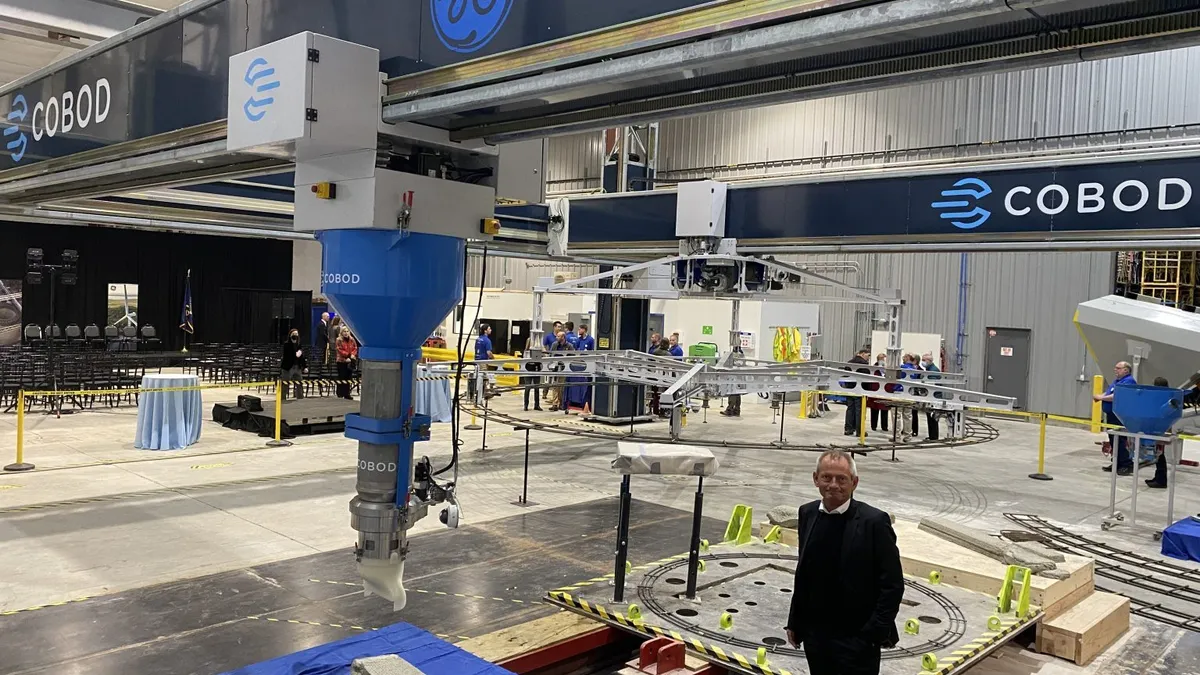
{"x": 572, "y": 338}
{"x": 583, "y": 341}
{"x": 676, "y": 349}
{"x": 1124, "y": 375}
{"x": 549, "y": 338}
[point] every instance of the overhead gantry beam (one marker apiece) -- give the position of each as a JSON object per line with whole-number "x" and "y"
{"x": 76, "y": 18}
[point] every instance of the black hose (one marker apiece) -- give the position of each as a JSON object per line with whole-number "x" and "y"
{"x": 455, "y": 410}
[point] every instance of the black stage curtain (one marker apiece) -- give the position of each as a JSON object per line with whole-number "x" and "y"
{"x": 261, "y": 316}
{"x": 158, "y": 263}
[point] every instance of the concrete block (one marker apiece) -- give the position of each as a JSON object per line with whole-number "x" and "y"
{"x": 784, "y": 516}
{"x": 384, "y": 665}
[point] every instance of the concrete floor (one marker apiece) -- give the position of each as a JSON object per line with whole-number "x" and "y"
{"x": 99, "y": 517}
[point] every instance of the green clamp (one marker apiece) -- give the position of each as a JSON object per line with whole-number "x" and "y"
{"x": 726, "y": 621}
{"x": 739, "y": 529}
{"x": 704, "y": 546}
{"x": 774, "y": 535}
{"x": 935, "y": 577}
{"x": 760, "y": 658}
{"x": 912, "y": 627}
{"x": 929, "y": 662}
{"x": 634, "y": 612}
{"x": 994, "y": 623}
{"x": 700, "y": 565}
{"x": 628, "y": 567}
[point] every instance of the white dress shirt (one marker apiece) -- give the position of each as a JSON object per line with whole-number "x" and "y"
{"x": 838, "y": 511}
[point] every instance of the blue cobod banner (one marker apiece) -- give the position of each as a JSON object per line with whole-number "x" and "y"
{"x": 1013, "y": 204}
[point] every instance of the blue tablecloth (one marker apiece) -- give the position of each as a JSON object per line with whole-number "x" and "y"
{"x": 1182, "y": 540}
{"x": 168, "y": 420}
{"x": 433, "y": 396}
{"x": 429, "y": 654}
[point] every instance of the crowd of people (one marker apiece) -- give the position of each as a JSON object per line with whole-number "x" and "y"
{"x": 910, "y": 427}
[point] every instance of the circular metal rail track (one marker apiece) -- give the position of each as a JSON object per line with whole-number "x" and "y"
{"x": 954, "y": 623}
{"x": 977, "y": 431}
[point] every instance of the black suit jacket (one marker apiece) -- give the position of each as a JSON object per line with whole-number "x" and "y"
{"x": 873, "y": 580}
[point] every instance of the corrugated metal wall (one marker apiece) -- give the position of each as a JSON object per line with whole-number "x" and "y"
{"x": 954, "y": 118}
{"x": 1038, "y": 292}
{"x": 1115, "y": 101}
{"x": 574, "y": 163}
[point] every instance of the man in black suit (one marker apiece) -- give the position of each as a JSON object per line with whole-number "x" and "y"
{"x": 323, "y": 343}
{"x": 854, "y": 403}
{"x": 849, "y": 582}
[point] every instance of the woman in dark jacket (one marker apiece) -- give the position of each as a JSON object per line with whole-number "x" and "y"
{"x": 293, "y": 364}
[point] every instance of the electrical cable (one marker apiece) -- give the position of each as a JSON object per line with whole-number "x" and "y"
{"x": 455, "y": 412}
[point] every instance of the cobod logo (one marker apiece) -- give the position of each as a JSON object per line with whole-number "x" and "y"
{"x": 17, "y": 140}
{"x": 466, "y": 26}
{"x": 260, "y": 76}
{"x": 952, "y": 210}
{"x": 1167, "y": 194}
{"x": 59, "y": 114}
{"x": 339, "y": 278}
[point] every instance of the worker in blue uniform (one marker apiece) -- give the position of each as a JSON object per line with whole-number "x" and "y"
{"x": 676, "y": 348}
{"x": 572, "y": 338}
{"x": 578, "y": 392}
{"x": 549, "y": 338}
{"x": 483, "y": 353}
{"x": 1124, "y": 375}
{"x": 585, "y": 342}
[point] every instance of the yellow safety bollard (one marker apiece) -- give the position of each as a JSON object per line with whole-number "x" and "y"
{"x": 20, "y": 464}
{"x": 278, "y": 441}
{"x": 862, "y": 422}
{"x": 1041, "y": 472}
{"x": 1097, "y": 389}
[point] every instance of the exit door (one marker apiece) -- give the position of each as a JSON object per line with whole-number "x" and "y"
{"x": 1007, "y": 364}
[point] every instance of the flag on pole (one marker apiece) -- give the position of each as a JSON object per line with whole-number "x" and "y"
{"x": 186, "y": 322}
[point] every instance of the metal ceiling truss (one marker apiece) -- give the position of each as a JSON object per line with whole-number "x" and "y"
{"x": 1034, "y": 40}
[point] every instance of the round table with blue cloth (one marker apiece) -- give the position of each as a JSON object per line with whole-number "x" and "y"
{"x": 168, "y": 420}
{"x": 433, "y": 395}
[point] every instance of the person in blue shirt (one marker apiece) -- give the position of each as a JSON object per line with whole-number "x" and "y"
{"x": 676, "y": 349}
{"x": 549, "y": 338}
{"x": 585, "y": 342}
{"x": 572, "y": 338}
{"x": 1124, "y": 375}
{"x": 483, "y": 352}
{"x": 931, "y": 420}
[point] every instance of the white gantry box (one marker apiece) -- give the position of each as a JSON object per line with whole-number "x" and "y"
{"x": 308, "y": 94}
{"x": 700, "y": 209}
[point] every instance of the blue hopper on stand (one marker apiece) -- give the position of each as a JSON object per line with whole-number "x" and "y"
{"x": 1153, "y": 411}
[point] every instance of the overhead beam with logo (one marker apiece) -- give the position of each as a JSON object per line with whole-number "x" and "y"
{"x": 1103, "y": 202}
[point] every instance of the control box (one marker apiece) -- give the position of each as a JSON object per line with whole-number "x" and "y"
{"x": 307, "y": 96}
{"x": 700, "y": 209}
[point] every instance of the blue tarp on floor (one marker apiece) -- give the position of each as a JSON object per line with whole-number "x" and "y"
{"x": 423, "y": 650}
{"x": 1182, "y": 540}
